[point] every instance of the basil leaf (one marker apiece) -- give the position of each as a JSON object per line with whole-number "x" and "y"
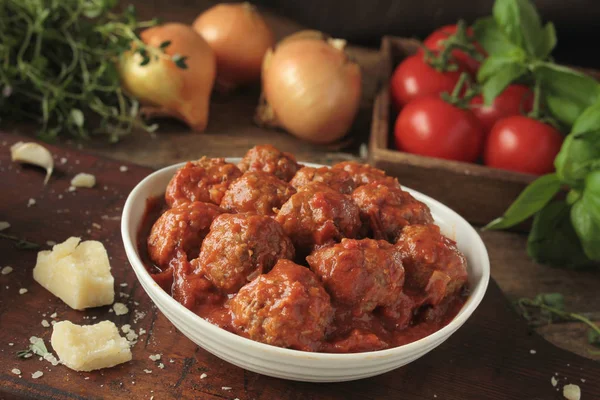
{"x": 548, "y": 41}
{"x": 553, "y": 240}
{"x": 495, "y": 64}
{"x": 581, "y": 149}
{"x": 593, "y": 337}
{"x": 506, "y": 15}
{"x": 585, "y": 216}
{"x": 567, "y": 93}
{"x": 498, "y": 82}
{"x": 489, "y": 35}
{"x": 531, "y": 200}
{"x": 555, "y": 300}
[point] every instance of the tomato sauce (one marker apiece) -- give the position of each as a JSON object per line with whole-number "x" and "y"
{"x": 348, "y": 332}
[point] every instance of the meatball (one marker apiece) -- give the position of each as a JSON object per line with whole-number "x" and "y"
{"x": 257, "y": 192}
{"x": 204, "y": 180}
{"x": 337, "y": 179}
{"x": 363, "y": 273}
{"x": 358, "y": 341}
{"x": 363, "y": 174}
{"x": 287, "y": 307}
{"x": 434, "y": 265}
{"x": 268, "y": 159}
{"x": 318, "y": 215}
{"x": 386, "y": 210}
{"x": 189, "y": 287}
{"x": 184, "y": 226}
{"x": 239, "y": 247}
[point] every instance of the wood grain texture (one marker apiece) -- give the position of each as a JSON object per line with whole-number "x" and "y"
{"x": 488, "y": 358}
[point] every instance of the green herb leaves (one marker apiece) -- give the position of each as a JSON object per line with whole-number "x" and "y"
{"x": 57, "y": 66}
{"x": 37, "y": 346}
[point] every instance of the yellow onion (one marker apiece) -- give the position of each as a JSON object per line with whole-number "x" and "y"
{"x": 310, "y": 88}
{"x": 240, "y": 38}
{"x": 165, "y": 88}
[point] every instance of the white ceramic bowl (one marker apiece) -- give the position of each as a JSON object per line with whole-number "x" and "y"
{"x": 293, "y": 364}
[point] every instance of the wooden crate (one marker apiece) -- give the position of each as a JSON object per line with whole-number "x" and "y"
{"x": 476, "y": 192}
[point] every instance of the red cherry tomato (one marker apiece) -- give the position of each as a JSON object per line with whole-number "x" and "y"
{"x": 522, "y": 144}
{"x": 434, "y": 42}
{"x": 514, "y": 100}
{"x": 414, "y": 78}
{"x": 431, "y": 127}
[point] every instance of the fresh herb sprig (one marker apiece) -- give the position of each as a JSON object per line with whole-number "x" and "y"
{"x": 546, "y": 308}
{"x": 36, "y": 346}
{"x": 564, "y": 232}
{"x": 58, "y": 67}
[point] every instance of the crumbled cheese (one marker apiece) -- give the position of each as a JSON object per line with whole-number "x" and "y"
{"x": 148, "y": 371}
{"x": 123, "y": 284}
{"x": 203, "y": 376}
{"x": 60, "y": 196}
{"x": 63, "y": 160}
{"x": 51, "y": 359}
{"x": 96, "y": 225}
{"x": 142, "y": 331}
{"x": 4, "y": 225}
{"x": 52, "y": 323}
{"x": 582, "y": 380}
{"x": 553, "y": 381}
{"x": 227, "y": 388}
{"x": 30, "y": 202}
{"x": 138, "y": 315}
{"x": 125, "y": 295}
{"x": 53, "y": 315}
{"x": 171, "y": 360}
{"x": 83, "y": 180}
{"x": 154, "y": 357}
{"x": 532, "y": 351}
{"x": 120, "y": 309}
{"x": 126, "y": 328}
{"x": 123, "y": 168}
{"x": 161, "y": 366}
{"x": 37, "y": 374}
{"x": 131, "y": 337}
{"x": 76, "y": 272}
{"x": 23, "y": 291}
{"x": 572, "y": 392}
{"x": 6, "y": 270}
{"x": 51, "y": 243}
{"x": 16, "y": 371}
{"x": 72, "y": 188}
{"x": 89, "y": 347}
{"x": 11, "y": 344}
{"x": 45, "y": 323}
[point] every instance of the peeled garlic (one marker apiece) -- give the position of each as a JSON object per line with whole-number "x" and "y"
{"x": 35, "y": 154}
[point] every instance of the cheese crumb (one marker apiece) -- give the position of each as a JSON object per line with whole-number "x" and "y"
{"x": 51, "y": 359}
{"x": 123, "y": 168}
{"x": 11, "y": 344}
{"x": 142, "y": 331}
{"x": 120, "y": 309}
{"x": 154, "y": 357}
{"x": 16, "y": 371}
{"x": 76, "y": 272}
{"x": 126, "y": 328}
{"x": 171, "y": 360}
{"x": 89, "y": 347}
{"x": 148, "y": 371}
{"x": 51, "y": 243}
{"x": 45, "y": 323}
{"x": 6, "y": 270}
{"x": 23, "y": 291}
{"x": 203, "y": 376}
{"x": 123, "y": 284}
{"x": 30, "y": 202}
{"x": 53, "y": 315}
{"x": 572, "y": 392}
{"x": 226, "y": 388}
{"x": 83, "y": 180}
{"x": 532, "y": 351}
{"x": 37, "y": 374}
{"x": 63, "y": 160}
{"x": 96, "y": 225}
{"x": 4, "y": 225}
{"x": 161, "y": 366}
{"x": 553, "y": 381}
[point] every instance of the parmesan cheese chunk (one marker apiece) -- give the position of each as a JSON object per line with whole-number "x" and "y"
{"x": 89, "y": 347}
{"x": 571, "y": 392}
{"x": 83, "y": 180}
{"x": 77, "y": 273}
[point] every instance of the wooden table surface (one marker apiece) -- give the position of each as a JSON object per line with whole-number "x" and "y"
{"x": 231, "y": 132}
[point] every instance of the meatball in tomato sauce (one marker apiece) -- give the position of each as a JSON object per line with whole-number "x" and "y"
{"x": 239, "y": 247}
{"x": 386, "y": 210}
{"x": 434, "y": 266}
{"x": 363, "y": 274}
{"x": 363, "y": 174}
{"x": 287, "y": 307}
{"x": 337, "y": 179}
{"x": 182, "y": 227}
{"x": 318, "y": 215}
{"x": 267, "y": 158}
{"x": 204, "y": 180}
{"x": 257, "y": 192}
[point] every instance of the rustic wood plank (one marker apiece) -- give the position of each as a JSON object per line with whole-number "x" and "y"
{"x": 487, "y": 358}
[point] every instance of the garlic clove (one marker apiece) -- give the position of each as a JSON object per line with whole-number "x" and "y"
{"x": 35, "y": 154}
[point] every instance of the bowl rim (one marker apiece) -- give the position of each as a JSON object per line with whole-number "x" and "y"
{"x": 130, "y": 243}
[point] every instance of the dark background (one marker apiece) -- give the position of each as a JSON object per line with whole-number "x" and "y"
{"x": 366, "y": 21}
